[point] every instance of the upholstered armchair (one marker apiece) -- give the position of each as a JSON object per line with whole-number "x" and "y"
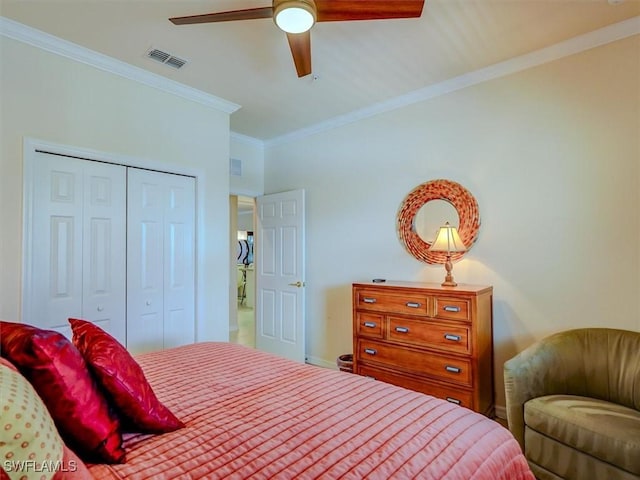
{"x": 573, "y": 404}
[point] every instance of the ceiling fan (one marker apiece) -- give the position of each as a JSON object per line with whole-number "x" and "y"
{"x": 296, "y": 17}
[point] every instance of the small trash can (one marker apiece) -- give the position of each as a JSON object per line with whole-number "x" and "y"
{"x": 345, "y": 363}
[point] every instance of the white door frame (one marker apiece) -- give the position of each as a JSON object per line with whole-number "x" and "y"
{"x": 30, "y": 148}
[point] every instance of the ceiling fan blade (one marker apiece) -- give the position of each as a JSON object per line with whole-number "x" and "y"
{"x": 338, "y": 10}
{"x": 300, "y": 44}
{"x": 249, "y": 14}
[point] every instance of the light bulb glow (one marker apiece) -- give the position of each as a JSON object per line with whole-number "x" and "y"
{"x": 294, "y": 19}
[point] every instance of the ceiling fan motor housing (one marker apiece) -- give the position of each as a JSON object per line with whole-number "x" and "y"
{"x": 302, "y": 15}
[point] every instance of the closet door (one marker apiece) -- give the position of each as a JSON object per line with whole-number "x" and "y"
{"x": 104, "y": 257}
{"x": 179, "y": 261}
{"x": 160, "y": 265}
{"x": 76, "y": 244}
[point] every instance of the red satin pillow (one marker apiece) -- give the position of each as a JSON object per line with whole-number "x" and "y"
{"x": 123, "y": 379}
{"x": 57, "y": 371}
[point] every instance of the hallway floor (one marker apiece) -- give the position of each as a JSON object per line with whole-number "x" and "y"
{"x": 246, "y": 333}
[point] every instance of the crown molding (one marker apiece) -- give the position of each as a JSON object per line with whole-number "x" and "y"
{"x": 64, "y": 48}
{"x": 45, "y": 41}
{"x": 246, "y": 139}
{"x": 587, "y": 41}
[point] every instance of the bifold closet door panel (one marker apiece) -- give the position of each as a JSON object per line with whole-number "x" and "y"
{"x": 76, "y": 260}
{"x": 54, "y": 283}
{"x": 160, "y": 267}
{"x": 104, "y": 254}
{"x": 179, "y": 264}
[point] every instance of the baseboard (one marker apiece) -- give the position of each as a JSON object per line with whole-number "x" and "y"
{"x": 319, "y": 362}
{"x": 501, "y": 412}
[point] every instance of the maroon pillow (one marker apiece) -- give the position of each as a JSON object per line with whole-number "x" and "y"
{"x": 123, "y": 379}
{"x": 57, "y": 371}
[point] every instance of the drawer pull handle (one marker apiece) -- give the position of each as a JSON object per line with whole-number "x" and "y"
{"x": 453, "y": 400}
{"x": 453, "y": 338}
{"x": 451, "y": 308}
{"x": 370, "y": 351}
{"x": 402, "y": 330}
{"x": 452, "y": 369}
{"x": 369, "y": 300}
{"x": 370, "y": 324}
{"x": 413, "y": 304}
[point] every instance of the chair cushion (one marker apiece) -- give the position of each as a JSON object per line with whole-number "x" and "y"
{"x": 550, "y": 459}
{"x": 123, "y": 380}
{"x": 605, "y": 430}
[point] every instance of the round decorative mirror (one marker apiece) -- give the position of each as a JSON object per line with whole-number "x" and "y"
{"x": 431, "y": 216}
{"x": 426, "y": 208}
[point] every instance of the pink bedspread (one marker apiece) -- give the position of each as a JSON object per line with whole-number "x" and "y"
{"x": 251, "y": 415}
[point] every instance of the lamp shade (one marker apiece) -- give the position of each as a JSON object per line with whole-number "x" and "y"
{"x": 448, "y": 240}
{"x": 294, "y": 16}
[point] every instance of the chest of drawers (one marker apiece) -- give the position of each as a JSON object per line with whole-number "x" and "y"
{"x": 425, "y": 337}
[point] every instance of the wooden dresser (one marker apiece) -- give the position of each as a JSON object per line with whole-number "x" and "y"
{"x": 425, "y": 337}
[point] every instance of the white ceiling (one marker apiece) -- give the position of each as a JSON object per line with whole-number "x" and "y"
{"x": 357, "y": 64}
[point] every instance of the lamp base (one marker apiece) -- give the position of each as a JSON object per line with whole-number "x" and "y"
{"x": 448, "y": 280}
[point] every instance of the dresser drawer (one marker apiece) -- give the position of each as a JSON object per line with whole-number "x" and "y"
{"x": 453, "y": 338}
{"x": 451, "y": 308}
{"x": 458, "y": 396}
{"x": 369, "y": 324}
{"x": 410, "y": 303}
{"x": 422, "y": 362}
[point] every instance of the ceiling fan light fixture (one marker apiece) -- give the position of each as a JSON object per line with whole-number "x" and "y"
{"x": 294, "y": 16}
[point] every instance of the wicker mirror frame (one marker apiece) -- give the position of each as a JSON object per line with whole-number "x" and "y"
{"x": 454, "y": 193}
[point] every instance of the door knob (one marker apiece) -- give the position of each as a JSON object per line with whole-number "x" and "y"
{"x": 297, "y": 284}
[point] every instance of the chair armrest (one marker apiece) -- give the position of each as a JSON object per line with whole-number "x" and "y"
{"x": 549, "y": 366}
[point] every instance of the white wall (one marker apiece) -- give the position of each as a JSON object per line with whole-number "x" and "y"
{"x": 552, "y": 156}
{"x": 251, "y": 153}
{"x": 245, "y": 221}
{"x": 52, "y": 98}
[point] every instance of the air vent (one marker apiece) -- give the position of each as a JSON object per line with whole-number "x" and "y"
{"x": 166, "y": 58}
{"x": 235, "y": 167}
{"x": 175, "y": 62}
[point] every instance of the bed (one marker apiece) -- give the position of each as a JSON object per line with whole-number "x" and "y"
{"x": 252, "y": 415}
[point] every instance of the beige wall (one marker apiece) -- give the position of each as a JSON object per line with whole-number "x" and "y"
{"x": 552, "y": 155}
{"x": 51, "y": 98}
{"x": 251, "y": 154}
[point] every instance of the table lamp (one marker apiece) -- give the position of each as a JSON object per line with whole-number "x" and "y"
{"x": 447, "y": 240}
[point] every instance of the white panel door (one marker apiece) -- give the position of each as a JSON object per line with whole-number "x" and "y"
{"x": 76, "y": 243}
{"x": 104, "y": 255}
{"x": 179, "y": 263}
{"x": 280, "y": 274}
{"x": 145, "y": 261}
{"x": 160, "y": 267}
{"x": 53, "y": 290}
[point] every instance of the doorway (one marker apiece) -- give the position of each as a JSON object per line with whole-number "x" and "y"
{"x": 243, "y": 332}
